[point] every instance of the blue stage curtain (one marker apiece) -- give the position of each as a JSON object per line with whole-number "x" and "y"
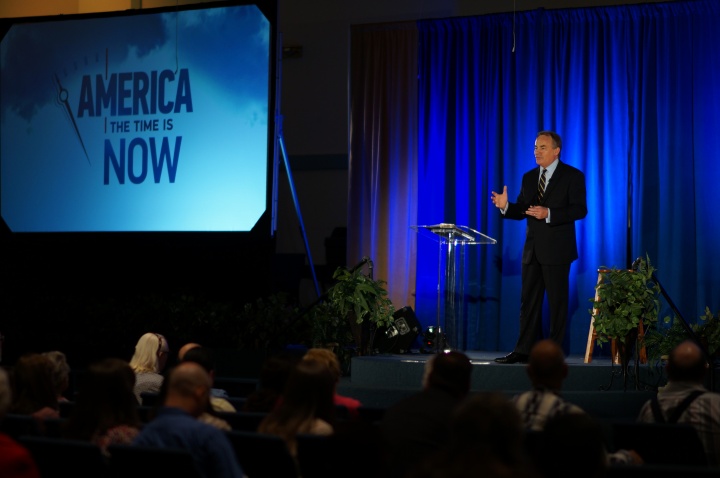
{"x": 632, "y": 90}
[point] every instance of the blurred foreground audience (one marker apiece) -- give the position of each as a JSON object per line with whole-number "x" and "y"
{"x": 686, "y": 400}
{"x": 306, "y": 405}
{"x": 418, "y": 425}
{"x": 60, "y": 373}
{"x": 176, "y": 424}
{"x": 15, "y": 459}
{"x": 33, "y": 387}
{"x": 330, "y": 360}
{"x": 105, "y": 412}
{"x": 273, "y": 378}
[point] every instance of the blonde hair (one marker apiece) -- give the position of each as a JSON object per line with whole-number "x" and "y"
{"x": 147, "y": 353}
{"x": 327, "y": 358}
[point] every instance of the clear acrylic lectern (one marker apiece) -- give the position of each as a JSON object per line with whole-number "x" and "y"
{"x": 452, "y": 240}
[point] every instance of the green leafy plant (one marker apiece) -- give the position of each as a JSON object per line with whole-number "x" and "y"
{"x": 354, "y": 304}
{"x": 623, "y": 299}
{"x": 659, "y": 343}
{"x": 357, "y": 295}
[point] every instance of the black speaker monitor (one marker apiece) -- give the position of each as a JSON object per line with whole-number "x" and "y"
{"x": 399, "y": 337}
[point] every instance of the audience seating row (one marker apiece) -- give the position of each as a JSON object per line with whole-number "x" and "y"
{"x": 59, "y": 458}
{"x": 662, "y": 446}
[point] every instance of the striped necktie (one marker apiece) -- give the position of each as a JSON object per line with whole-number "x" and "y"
{"x": 541, "y": 186}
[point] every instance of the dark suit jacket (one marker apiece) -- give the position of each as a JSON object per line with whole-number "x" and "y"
{"x": 552, "y": 243}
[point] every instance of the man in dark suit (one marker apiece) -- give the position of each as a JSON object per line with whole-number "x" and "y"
{"x": 551, "y": 199}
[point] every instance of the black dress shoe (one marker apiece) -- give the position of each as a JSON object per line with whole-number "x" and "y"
{"x": 513, "y": 357}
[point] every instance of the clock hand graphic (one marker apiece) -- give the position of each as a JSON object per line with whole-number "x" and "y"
{"x": 63, "y": 100}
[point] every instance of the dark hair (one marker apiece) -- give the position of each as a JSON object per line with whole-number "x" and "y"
{"x": 105, "y": 400}
{"x": 33, "y": 386}
{"x": 273, "y": 378}
{"x": 557, "y": 140}
{"x": 488, "y": 422}
{"x": 202, "y": 356}
{"x": 451, "y": 372}
{"x": 308, "y": 395}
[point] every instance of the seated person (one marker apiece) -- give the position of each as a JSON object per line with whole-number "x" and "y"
{"x": 330, "y": 360}
{"x": 60, "y": 373}
{"x": 34, "y": 392}
{"x": 148, "y": 362}
{"x": 15, "y": 460}
{"x": 306, "y": 406}
{"x": 105, "y": 412}
{"x": 176, "y": 425}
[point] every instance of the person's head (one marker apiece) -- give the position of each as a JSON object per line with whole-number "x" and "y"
{"x": 188, "y": 388}
{"x": 276, "y": 370}
{"x": 5, "y": 393}
{"x": 327, "y": 357}
{"x": 202, "y": 356}
{"x": 686, "y": 363}
{"x": 105, "y": 399}
{"x": 151, "y": 353}
{"x": 273, "y": 378}
{"x": 488, "y": 422}
{"x": 185, "y": 348}
{"x": 547, "y": 148}
{"x": 449, "y": 371}
{"x": 33, "y": 384}
{"x": 309, "y": 391}
{"x": 60, "y": 371}
{"x": 546, "y": 366}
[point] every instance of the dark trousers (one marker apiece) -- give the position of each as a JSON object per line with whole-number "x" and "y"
{"x": 538, "y": 279}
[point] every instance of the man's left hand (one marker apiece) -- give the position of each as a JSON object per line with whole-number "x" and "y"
{"x": 538, "y": 212}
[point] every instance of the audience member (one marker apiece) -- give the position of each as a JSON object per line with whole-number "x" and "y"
{"x": 686, "y": 400}
{"x": 417, "y": 426}
{"x": 34, "y": 392}
{"x": 176, "y": 424}
{"x": 204, "y": 357}
{"x": 60, "y": 373}
{"x": 547, "y": 371}
{"x": 105, "y": 412}
{"x": 328, "y": 357}
{"x": 485, "y": 439}
{"x": 306, "y": 405}
{"x": 15, "y": 459}
{"x": 148, "y": 362}
{"x": 571, "y": 445}
{"x": 184, "y": 349}
{"x": 273, "y": 378}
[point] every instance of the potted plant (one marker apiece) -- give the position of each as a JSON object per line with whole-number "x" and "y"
{"x": 354, "y": 307}
{"x": 660, "y": 342}
{"x": 626, "y": 302}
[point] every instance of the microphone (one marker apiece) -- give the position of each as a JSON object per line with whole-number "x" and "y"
{"x": 636, "y": 264}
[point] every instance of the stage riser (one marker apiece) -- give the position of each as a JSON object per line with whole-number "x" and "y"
{"x": 406, "y": 371}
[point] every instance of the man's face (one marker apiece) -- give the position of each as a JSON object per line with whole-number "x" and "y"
{"x": 545, "y": 153}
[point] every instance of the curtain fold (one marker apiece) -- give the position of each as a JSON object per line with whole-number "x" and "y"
{"x": 382, "y": 203}
{"x": 632, "y": 90}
